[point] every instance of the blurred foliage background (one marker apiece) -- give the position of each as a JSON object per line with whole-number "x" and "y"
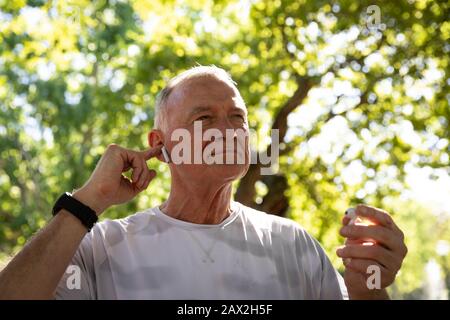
{"x": 358, "y": 89}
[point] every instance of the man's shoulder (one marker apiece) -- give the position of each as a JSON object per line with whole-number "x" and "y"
{"x": 281, "y": 229}
{"x": 129, "y": 224}
{"x": 269, "y": 221}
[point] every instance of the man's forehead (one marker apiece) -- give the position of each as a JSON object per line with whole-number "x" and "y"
{"x": 203, "y": 91}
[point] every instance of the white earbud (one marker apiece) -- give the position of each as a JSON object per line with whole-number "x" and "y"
{"x": 351, "y": 212}
{"x": 359, "y": 221}
{"x": 165, "y": 154}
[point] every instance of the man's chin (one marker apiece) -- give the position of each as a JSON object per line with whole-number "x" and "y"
{"x": 228, "y": 171}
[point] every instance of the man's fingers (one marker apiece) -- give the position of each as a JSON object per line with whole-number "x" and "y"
{"x": 148, "y": 176}
{"x": 137, "y": 161}
{"x": 136, "y": 174}
{"x": 361, "y": 265}
{"x": 373, "y": 252}
{"x": 152, "y": 152}
{"x": 375, "y": 215}
{"x": 345, "y": 220}
{"x": 364, "y": 267}
{"x": 151, "y": 176}
{"x": 354, "y": 241}
{"x": 140, "y": 182}
{"x": 380, "y": 234}
{"x": 379, "y": 216}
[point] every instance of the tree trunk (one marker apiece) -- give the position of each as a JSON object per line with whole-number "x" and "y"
{"x": 274, "y": 202}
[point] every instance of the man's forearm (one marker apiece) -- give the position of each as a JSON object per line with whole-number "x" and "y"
{"x": 36, "y": 271}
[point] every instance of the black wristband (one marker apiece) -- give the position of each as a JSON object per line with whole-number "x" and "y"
{"x": 86, "y": 215}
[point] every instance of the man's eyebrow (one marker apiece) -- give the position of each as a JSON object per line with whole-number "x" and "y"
{"x": 240, "y": 110}
{"x": 199, "y": 109}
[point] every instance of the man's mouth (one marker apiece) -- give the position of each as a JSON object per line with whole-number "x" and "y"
{"x": 224, "y": 152}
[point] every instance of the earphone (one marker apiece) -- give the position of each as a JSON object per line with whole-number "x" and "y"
{"x": 351, "y": 212}
{"x": 165, "y": 154}
{"x": 360, "y": 221}
{"x": 355, "y": 219}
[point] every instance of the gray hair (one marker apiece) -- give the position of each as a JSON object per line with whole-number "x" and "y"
{"x": 195, "y": 72}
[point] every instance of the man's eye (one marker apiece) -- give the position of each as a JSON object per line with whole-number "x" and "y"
{"x": 202, "y": 118}
{"x": 239, "y": 116}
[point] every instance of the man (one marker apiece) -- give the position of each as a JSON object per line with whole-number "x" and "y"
{"x": 198, "y": 244}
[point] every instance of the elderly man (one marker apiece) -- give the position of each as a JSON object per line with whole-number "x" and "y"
{"x": 198, "y": 244}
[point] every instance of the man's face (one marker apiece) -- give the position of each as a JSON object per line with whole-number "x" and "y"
{"x": 215, "y": 104}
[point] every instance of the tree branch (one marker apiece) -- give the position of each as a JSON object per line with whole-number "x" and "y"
{"x": 246, "y": 191}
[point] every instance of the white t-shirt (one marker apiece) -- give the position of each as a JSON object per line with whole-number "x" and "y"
{"x": 250, "y": 255}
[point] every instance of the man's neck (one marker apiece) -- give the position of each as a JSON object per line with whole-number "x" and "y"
{"x": 204, "y": 204}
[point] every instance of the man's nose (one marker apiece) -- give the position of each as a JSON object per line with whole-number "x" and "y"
{"x": 230, "y": 133}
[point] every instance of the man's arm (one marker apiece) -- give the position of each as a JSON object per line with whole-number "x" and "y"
{"x": 36, "y": 271}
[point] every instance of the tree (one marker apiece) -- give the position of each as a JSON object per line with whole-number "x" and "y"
{"x": 357, "y": 100}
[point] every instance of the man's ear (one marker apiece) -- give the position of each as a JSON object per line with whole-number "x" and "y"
{"x": 155, "y": 138}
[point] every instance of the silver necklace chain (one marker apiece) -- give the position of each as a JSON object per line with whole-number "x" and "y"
{"x": 207, "y": 252}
